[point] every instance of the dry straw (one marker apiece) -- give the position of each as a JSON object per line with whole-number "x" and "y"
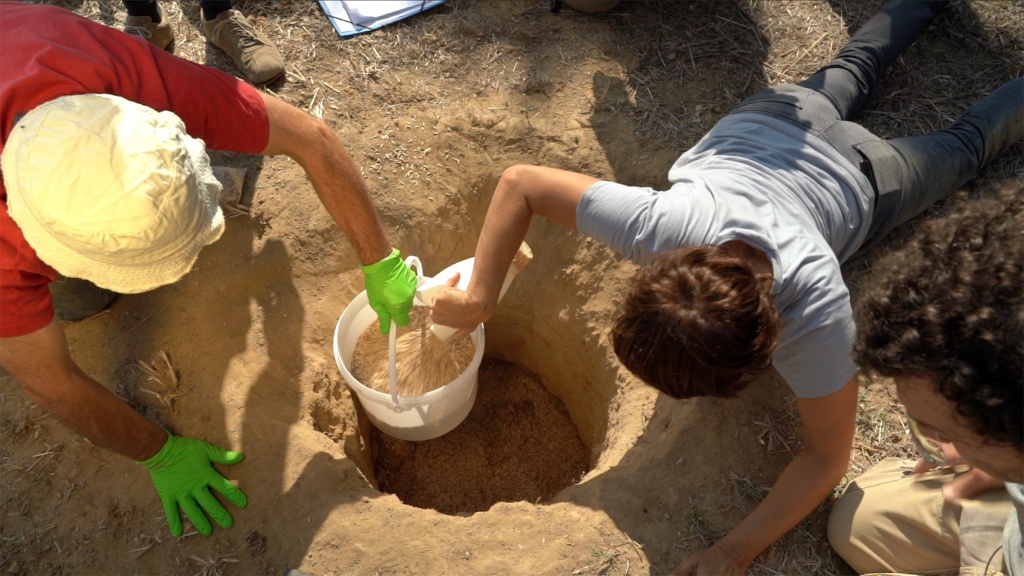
{"x": 422, "y": 361}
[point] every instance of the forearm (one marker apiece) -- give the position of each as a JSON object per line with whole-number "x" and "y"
{"x": 522, "y": 192}
{"x": 91, "y": 410}
{"x": 801, "y": 487}
{"x": 344, "y": 194}
{"x": 505, "y": 226}
{"x": 40, "y": 362}
{"x": 332, "y": 172}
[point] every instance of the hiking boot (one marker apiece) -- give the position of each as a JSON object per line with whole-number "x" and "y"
{"x": 159, "y": 34}
{"x": 252, "y": 52}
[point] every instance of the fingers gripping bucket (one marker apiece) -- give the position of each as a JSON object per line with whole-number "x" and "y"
{"x": 419, "y": 417}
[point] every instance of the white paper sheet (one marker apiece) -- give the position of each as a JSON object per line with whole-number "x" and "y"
{"x": 351, "y": 17}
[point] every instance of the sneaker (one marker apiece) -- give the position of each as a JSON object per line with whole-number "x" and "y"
{"x": 159, "y": 34}
{"x": 252, "y": 52}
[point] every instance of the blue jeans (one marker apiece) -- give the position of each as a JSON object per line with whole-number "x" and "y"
{"x": 908, "y": 174}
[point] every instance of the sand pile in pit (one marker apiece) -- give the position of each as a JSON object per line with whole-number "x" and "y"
{"x": 517, "y": 444}
{"x": 422, "y": 361}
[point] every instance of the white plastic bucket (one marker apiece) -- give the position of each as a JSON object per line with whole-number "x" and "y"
{"x": 419, "y": 417}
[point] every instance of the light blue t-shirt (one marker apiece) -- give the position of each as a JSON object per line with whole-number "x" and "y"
{"x": 769, "y": 183}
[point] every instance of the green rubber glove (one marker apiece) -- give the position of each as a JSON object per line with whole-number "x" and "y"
{"x": 183, "y": 475}
{"x": 390, "y": 287}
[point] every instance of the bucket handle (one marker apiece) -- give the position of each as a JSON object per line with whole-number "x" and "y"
{"x": 414, "y": 263}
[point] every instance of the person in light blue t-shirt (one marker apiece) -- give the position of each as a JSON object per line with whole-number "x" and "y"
{"x": 740, "y": 258}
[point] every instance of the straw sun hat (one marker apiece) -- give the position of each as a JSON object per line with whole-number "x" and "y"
{"x": 111, "y": 191}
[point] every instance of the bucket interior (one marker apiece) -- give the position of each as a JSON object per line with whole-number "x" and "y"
{"x": 408, "y": 417}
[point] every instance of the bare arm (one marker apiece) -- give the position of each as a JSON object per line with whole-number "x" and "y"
{"x": 334, "y": 176}
{"x": 522, "y": 192}
{"x": 828, "y": 424}
{"x": 41, "y": 363}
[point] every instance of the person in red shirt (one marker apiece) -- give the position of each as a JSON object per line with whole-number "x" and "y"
{"x": 105, "y": 177}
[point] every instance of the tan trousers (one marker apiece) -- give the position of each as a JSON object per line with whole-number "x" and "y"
{"x": 890, "y": 521}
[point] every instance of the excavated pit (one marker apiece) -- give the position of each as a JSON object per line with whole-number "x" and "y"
{"x": 545, "y": 395}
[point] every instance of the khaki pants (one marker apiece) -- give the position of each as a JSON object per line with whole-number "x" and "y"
{"x": 890, "y": 521}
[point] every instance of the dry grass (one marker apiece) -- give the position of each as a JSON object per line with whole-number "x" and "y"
{"x": 422, "y": 361}
{"x": 162, "y": 381}
{"x": 211, "y": 566}
{"x": 881, "y": 427}
{"x": 777, "y": 430}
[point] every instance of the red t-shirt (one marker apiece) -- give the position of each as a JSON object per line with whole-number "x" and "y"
{"x": 48, "y": 52}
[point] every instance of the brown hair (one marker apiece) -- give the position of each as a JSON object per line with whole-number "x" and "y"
{"x": 697, "y": 322}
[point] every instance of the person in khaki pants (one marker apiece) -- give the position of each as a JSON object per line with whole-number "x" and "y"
{"x": 945, "y": 320}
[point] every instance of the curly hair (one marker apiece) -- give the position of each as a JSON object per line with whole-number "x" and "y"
{"x": 697, "y": 322}
{"x": 949, "y": 307}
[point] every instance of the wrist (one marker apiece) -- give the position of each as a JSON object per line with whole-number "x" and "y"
{"x": 736, "y": 549}
{"x": 377, "y": 265}
{"x": 160, "y": 453}
{"x": 476, "y": 310}
{"x": 480, "y": 299}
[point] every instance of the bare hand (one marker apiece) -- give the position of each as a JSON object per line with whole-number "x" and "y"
{"x": 969, "y": 484}
{"x": 458, "y": 308}
{"x": 966, "y": 484}
{"x": 714, "y": 561}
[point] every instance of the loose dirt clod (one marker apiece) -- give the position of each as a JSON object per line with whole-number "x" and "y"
{"x": 422, "y": 361}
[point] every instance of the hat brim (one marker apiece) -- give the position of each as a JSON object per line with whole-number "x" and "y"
{"x": 129, "y": 277}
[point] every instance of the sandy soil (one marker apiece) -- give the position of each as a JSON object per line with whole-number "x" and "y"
{"x": 432, "y": 110}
